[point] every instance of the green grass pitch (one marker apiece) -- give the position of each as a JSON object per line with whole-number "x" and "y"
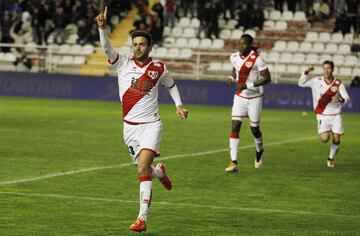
{"x": 64, "y": 170}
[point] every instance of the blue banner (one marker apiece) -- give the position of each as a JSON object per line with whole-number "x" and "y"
{"x": 279, "y": 96}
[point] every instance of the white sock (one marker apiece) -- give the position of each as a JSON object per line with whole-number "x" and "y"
{"x": 258, "y": 144}
{"x": 334, "y": 148}
{"x": 156, "y": 172}
{"x": 145, "y": 198}
{"x": 233, "y": 144}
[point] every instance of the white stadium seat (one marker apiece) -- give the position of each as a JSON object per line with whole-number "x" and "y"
{"x": 279, "y": 68}
{"x": 167, "y": 31}
{"x": 279, "y": 46}
{"x": 161, "y": 52}
{"x": 194, "y": 43}
{"x": 169, "y": 41}
{"x": 227, "y": 66}
{"x": 64, "y": 49}
{"x": 312, "y": 59}
{"x": 205, "y": 43}
{"x": 299, "y": 16}
{"x": 225, "y": 33}
{"x": 273, "y": 57}
{"x": 356, "y": 72}
{"x": 324, "y": 37}
{"x": 345, "y": 71}
{"x": 294, "y": 69}
{"x": 195, "y": 23}
{"x": 285, "y": 57}
{"x": 305, "y": 47}
{"x": 76, "y": 49}
{"x": 250, "y": 32}
{"x": 298, "y": 58}
{"x": 79, "y": 60}
{"x": 177, "y": 32}
{"x": 351, "y": 60}
{"x": 348, "y": 38}
{"x": 344, "y": 49}
{"x": 324, "y": 57}
{"x": 9, "y": 57}
{"x": 236, "y": 34}
{"x": 318, "y": 47}
{"x": 338, "y": 60}
{"x": 331, "y": 48}
{"x": 173, "y": 53}
{"x": 280, "y": 25}
{"x": 275, "y": 15}
{"x": 311, "y": 36}
{"x": 181, "y": 43}
{"x": 287, "y": 16}
{"x": 292, "y": 46}
{"x": 215, "y": 66}
{"x": 184, "y": 22}
{"x": 87, "y": 49}
{"x": 231, "y": 24}
{"x": 185, "y": 53}
{"x": 269, "y": 25}
{"x": 218, "y": 44}
{"x": 67, "y": 60}
{"x": 336, "y": 37}
{"x": 189, "y": 33}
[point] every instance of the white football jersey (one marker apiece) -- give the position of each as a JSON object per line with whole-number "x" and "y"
{"x": 248, "y": 70}
{"x": 138, "y": 88}
{"x": 319, "y": 87}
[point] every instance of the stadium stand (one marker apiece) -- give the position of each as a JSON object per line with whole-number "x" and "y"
{"x": 287, "y": 42}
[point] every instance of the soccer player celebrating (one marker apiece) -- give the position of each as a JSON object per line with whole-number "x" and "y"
{"x": 249, "y": 73}
{"x": 328, "y": 94}
{"x": 139, "y": 78}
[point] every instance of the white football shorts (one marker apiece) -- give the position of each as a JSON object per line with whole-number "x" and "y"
{"x": 244, "y": 107}
{"x": 142, "y": 136}
{"x": 330, "y": 123}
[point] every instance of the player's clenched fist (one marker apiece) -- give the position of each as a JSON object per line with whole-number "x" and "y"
{"x": 101, "y": 19}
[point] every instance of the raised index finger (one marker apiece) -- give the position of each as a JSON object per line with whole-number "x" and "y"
{"x": 105, "y": 12}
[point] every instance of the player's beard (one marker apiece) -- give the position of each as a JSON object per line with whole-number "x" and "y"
{"x": 141, "y": 56}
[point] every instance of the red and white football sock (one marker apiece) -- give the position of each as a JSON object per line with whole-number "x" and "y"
{"x": 145, "y": 195}
{"x": 233, "y": 144}
{"x": 334, "y": 148}
{"x": 157, "y": 172}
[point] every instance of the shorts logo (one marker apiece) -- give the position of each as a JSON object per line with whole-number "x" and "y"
{"x": 153, "y": 74}
{"x": 334, "y": 88}
{"x": 248, "y": 64}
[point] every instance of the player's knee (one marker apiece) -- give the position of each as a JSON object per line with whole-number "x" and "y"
{"x": 324, "y": 139}
{"x": 336, "y": 140}
{"x": 236, "y": 126}
{"x": 256, "y": 131}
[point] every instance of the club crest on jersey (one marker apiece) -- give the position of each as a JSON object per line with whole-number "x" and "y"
{"x": 248, "y": 64}
{"x": 334, "y": 88}
{"x": 252, "y": 56}
{"x": 153, "y": 74}
{"x": 156, "y": 64}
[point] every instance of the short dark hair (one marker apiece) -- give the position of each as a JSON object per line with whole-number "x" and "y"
{"x": 144, "y": 34}
{"x": 328, "y": 62}
{"x": 248, "y": 38}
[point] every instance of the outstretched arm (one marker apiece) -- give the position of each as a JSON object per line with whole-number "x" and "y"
{"x": 104, "y": 39}
{"x": 175, "y": 95}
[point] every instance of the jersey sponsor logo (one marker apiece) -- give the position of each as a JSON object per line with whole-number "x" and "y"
{"x": 334, "y": 88}
{"x": 248, "y": 64}
{"x": 152, "y": 74}
{"x": 157, "y": 64}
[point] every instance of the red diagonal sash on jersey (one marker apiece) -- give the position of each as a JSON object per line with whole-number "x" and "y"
{"x": 326, "y": 97}
{"x": 141, "y": 86}
{"x": 245, "y": 70}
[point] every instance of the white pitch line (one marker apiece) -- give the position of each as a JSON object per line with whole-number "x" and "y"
{"x": 72, "y": 172}
{"x": 216, "y": 207}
